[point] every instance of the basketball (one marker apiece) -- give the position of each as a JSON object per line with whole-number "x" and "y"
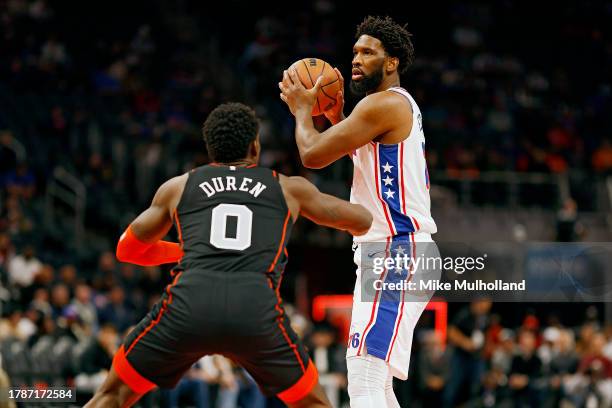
{"x": 308, "y": 70}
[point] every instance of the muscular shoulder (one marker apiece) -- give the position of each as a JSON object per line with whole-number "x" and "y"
{"x": 385, "y": 104}
{"x": 169, "y": 193}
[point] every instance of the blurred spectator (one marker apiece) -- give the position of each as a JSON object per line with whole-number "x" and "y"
{"x": 6, "y": 250}
{"x": 595, "y": 357}
{"x": 585, "y": 337}
{"x": 466, "y": 335}
{"x": 45, "y": 277}
{"x": 41, "y": 303}
{"x": 68, "y": 275}
{"x": 191, "y": 388}
{"x": 569, "y": 228}
{"x": 84, "y": 307}
{"x": 563, "y": 364}
{"x": 236, "y": 386}
{"x": 329, "y": 358}
{"x": 60, "y": 298}
{"x": 592, "y": 385}
{"x": 105, "y": 279}
{"x": 433, "y": 370}
{"x": 525, "y": 371}
{"x": 116, "y": 310}
{"x": 602, "y": 157}
{"x": 11, "y": 326}
{"x": 23, "y": 268}
{"x": 150, "y": 281}
{"x": 501, "y": 360}
{"x": 21, "y": 182}
{"x": 97, "y": 358}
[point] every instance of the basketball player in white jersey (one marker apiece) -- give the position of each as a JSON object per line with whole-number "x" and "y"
{"x": 384, "y": 137}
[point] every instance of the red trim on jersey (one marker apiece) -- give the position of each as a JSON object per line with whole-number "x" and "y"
{"x": 162, "y": 310}
{"x": 302, "y": 387}
{"x": 416, "y": 224}
{"x": 382, "y": 279}
{"x": 401, "y": 176}
{"x": 385, "y": 209}
{"x": 178, "y": 228}
{"x": 410, "y": 275}
{"x": 280, "y": 319}
{"x": 282, "y": 241}
{"x": 129, "y": 375}
{"x": 279, "y": 300}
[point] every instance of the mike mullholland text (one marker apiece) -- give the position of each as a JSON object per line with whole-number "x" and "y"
{"x": 477, "y": 285}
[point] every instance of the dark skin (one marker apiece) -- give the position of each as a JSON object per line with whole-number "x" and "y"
{"x": 302, "y": 198}
{"x": 383, "y": 117}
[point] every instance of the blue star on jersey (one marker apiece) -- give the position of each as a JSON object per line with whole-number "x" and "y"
{"x": 390, "y": 188}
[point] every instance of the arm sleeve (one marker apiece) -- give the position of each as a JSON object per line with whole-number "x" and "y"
{"x": 131, "y": 249}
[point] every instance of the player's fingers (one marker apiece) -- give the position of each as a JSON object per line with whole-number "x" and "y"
{"x": 340, "y": 77}
{"x": 318, "y": 84}
{"x": 294, "y": 77}
{"x": 282, "y": 87}
{"x": 283, "y": 97}
{"x": 286, "y": 78}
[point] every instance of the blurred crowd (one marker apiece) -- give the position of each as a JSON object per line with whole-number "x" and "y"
{"x": 120, "y": 107}
{"x": 62, "y": 328}
{"x": 537, "y": 364}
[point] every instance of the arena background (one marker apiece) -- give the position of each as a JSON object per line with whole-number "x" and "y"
{"x": 100, "y": 102}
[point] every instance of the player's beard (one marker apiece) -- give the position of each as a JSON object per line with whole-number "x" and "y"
{"x": 368, "y": 82}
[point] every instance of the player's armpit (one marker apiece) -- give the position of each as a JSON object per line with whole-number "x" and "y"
{"x": 327, "y": 210}
{"x": 133, "y": 250}
{"x": 372, "y": 117}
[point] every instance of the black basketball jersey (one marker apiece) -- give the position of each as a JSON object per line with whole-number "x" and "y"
{"x": 233, "y": 219}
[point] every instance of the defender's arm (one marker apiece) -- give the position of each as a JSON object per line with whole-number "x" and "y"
{"x": 325, "y": 209}
{"x": 140, "y": 244}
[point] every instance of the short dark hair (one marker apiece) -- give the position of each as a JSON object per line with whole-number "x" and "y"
{"x": 395, "y": 38}
{"x": 228, "y": 131}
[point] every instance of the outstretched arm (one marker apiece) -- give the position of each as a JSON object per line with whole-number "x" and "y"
{"x": 140, "y": 244}
{"x": 372, "y": 117}
{"x": 325, "y": 209}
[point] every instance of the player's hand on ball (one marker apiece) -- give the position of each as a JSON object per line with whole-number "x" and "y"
{"x": 335, "y": 114}
{"x": 295, "y": 95}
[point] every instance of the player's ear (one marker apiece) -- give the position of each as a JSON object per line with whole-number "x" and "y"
{"x": 392, "y": 64}
{"x": 255, "y": 147}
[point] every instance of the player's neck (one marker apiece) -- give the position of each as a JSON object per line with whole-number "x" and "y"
{"x": 240, "y": 163}
{"x": 388, "y": 82}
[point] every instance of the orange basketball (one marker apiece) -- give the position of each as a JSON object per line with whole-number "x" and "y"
{"x": 308, "y": 70}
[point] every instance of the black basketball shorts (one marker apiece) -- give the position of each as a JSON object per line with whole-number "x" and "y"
{"x": 237, "y": 315}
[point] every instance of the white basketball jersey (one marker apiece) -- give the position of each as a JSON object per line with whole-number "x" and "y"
{"x": 392, "y": 182}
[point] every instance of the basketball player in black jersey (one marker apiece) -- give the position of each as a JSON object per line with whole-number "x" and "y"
{"x": 233, "y": 220}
